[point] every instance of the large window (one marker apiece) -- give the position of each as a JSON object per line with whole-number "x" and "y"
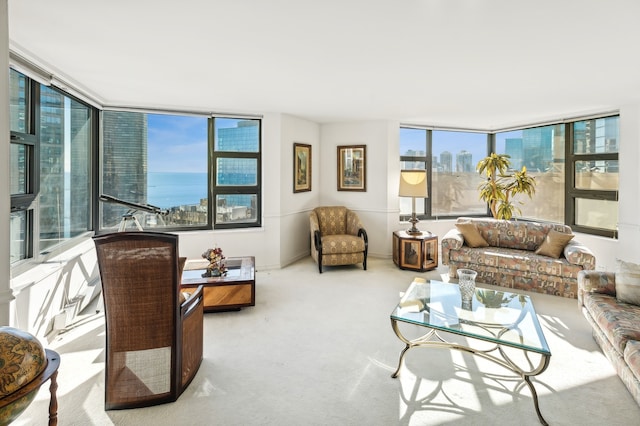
{"x": 450, "y": 159}
{"x": 157, "y": 162}
{"x": 236, "y": 172}
{"x": 156, "y": 171}
{"x": 542, "y": 151}
{"x": 52, "y": 137}
{"x": 66, "y": 135}
{"x": 592, "y": 204}
{"x": 575, "y": 166}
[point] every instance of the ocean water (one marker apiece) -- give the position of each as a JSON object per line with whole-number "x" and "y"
{"x": 167, "y": 190}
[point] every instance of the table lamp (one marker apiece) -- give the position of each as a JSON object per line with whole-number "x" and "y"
{"x": 413, "y": 183}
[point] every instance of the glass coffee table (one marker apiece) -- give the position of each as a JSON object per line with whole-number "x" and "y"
{"x": 493, "y": 321}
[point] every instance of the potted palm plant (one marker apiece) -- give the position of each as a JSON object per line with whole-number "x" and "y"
{"x": 500, "y": 186}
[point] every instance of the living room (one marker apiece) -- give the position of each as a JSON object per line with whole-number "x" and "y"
{"x": 489, "y": 101}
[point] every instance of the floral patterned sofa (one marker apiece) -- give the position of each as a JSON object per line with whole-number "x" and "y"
{"x": 511, "y": 255}
{"x": 615, "y": 323}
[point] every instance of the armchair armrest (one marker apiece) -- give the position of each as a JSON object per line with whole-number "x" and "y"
{"x": 363, "y": 234}
{"x": 191, "y": 302}
{"x": 595, "y": 282}
{"x": 317, "y": 241}
{"x": 579, "y": 254}
{"x": 452, "y": 240}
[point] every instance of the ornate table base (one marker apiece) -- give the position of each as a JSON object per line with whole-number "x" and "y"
{"x": 433, "y": 339}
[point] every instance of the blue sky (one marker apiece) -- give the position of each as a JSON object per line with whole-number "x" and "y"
{"x": 176, "y": 143}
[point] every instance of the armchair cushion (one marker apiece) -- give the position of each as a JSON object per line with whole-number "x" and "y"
{"x": 342, "y": 244}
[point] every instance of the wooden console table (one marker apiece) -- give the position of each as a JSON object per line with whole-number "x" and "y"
{"x": 233, "y": 291}
{"x": 415, "y": 252}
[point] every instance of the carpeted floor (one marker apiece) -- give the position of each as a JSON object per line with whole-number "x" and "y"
{"x": 318, "y": 349}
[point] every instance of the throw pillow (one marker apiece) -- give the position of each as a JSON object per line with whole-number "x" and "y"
{"x": 627, "y": 282}
{"x": 471, "y": 235}
{"x": 554, "y": 243}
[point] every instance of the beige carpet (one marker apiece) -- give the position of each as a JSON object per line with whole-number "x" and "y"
{"x": 318, "y": 349}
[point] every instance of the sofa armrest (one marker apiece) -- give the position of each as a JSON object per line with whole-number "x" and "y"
{"x": 577, "y": 253}
{"x": 595, "y": 282}
{"x": 452, "y": 240}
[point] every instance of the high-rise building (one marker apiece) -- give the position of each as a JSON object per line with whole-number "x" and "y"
{"x": 124, "y": 168}
{"x": 537, "y": 146}
{"x": 513, "y": 148}
{"x": 244, "y": 137}
{"x": 464, "y": 162}
{"x": 446, "y": 161}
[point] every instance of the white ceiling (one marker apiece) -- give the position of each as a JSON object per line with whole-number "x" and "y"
{"x": 483, "y": 64}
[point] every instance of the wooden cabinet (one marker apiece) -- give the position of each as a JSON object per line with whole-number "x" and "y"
{"x": 415, "y": 252}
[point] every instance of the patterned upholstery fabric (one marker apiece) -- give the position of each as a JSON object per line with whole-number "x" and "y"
{"x": 616, "y": 325}
{"x": 337, "y": 237}
{"x": 511, "y": 261}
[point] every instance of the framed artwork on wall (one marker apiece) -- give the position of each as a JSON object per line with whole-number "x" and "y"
{"x": 301, "y": 167}
{"x": 352, "y": 168}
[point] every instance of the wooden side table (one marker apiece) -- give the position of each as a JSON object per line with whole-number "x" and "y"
{"x": 415, "y": 252}
{"x": 235, "y": 290}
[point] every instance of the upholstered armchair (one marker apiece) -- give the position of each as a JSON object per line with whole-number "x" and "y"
{"x": 337, "y": 237}
{"x": 154, "y": 333}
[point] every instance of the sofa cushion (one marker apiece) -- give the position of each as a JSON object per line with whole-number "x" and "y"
{"x": 471, "y": 235}
{"x": 628, "y": 282}
{"x": 554, "y": 244}
{"x": 619, "y": 321}
{"x": 333, "y": 244}
{"x": 632, "y": 357}
{"x": 513, "y": 260}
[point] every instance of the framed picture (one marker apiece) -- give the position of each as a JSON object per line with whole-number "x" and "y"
{"x": 352, "y": 168}
{"x": 301, "y": 167}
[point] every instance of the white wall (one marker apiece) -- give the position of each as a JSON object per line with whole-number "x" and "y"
{"x": 629, "y": 195}
{"x": 5, "y": 194}
{"x": 372, "y": 206}
{"x": 295, "y": 207}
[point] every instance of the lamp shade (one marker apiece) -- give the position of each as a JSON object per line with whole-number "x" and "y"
{"x": 413, "y": 183}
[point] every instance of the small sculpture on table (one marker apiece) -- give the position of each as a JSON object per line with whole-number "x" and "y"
{"x": 216, "y": 267}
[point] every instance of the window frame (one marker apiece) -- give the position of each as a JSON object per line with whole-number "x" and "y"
{"x": 573, "y": 193}
{"x": 215, "y": 190}
{"x": 428, "y": 161}
{"x": 29, "y": 202}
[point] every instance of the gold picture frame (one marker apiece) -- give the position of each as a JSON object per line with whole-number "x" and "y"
{"x": 301, "y": 167}
{"x": 352, "y": 168}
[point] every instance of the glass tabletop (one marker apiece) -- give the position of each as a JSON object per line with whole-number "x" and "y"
{"x": 492, "y": 315}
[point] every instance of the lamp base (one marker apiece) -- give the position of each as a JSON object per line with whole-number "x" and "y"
{"x": 413, "y": 230}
